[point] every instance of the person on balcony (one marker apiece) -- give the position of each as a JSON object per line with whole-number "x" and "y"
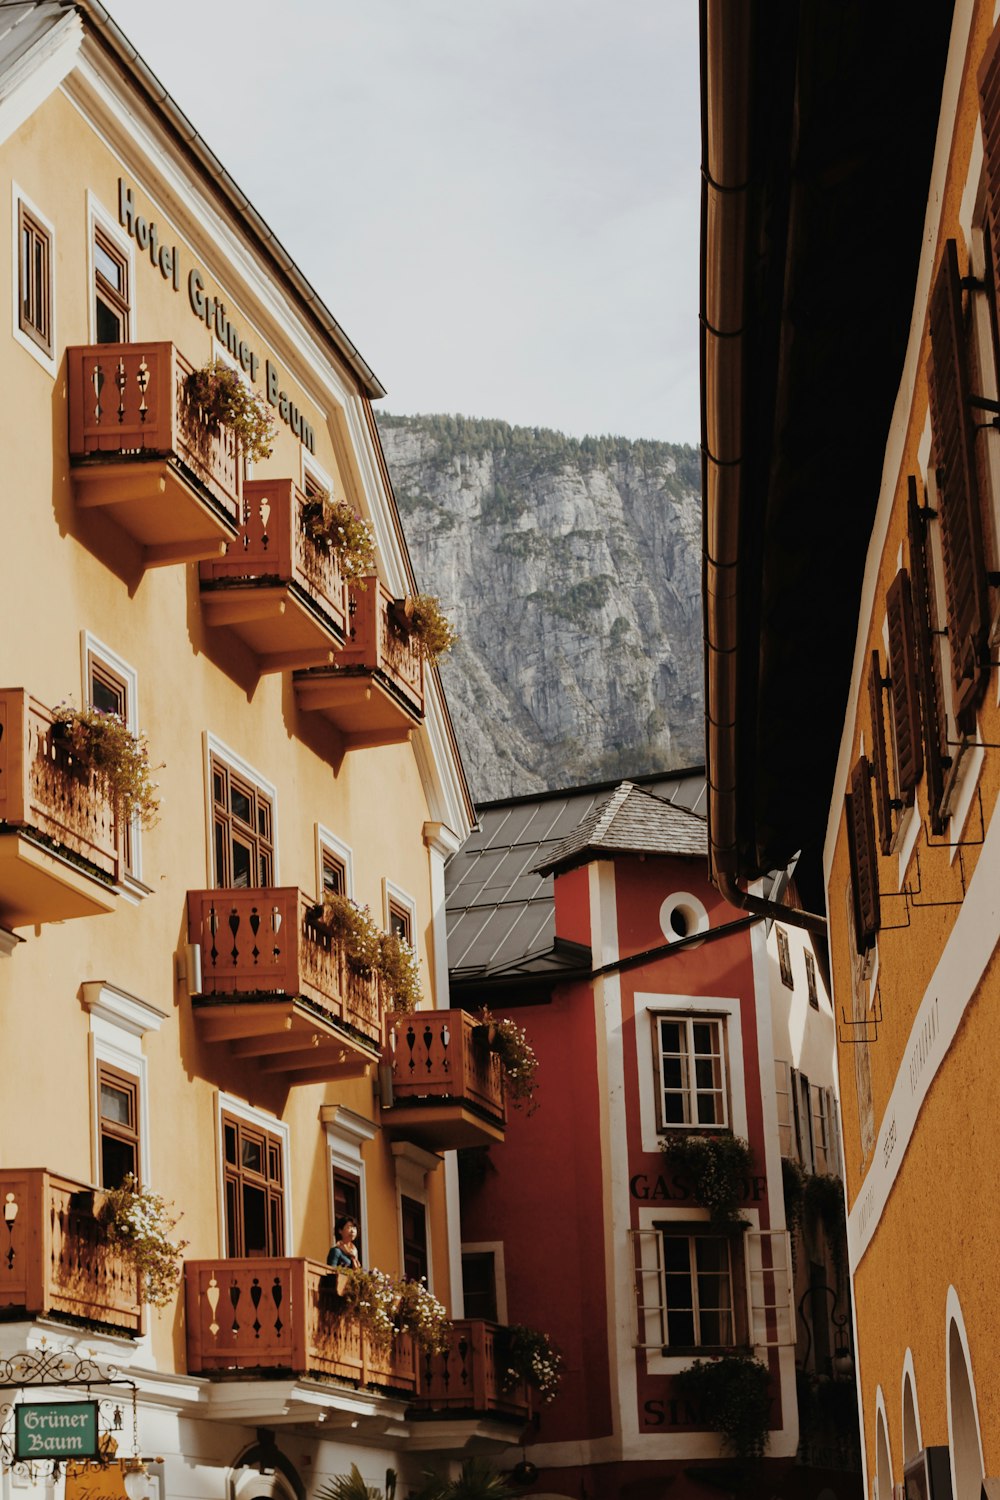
{"x": 344, "y": 1254}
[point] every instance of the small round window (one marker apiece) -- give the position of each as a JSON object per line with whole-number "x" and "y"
{"x": 682, "y": 916}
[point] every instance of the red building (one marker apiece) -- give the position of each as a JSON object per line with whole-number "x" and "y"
{"x": 589, "y": 917}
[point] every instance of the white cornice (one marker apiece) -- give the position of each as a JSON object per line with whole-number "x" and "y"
{"x": 130, "y": 1013}
{"x": 346, "y": 1124}
{"x": 8, "y": 942}
{"x": 440, "y": 838}
{"x": 39, "y": 71}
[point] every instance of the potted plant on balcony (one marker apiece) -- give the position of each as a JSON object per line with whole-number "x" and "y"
{"x": 421, "y": 618}
{"x": 715, "y": 1170}
{"x": 732, "y": 1395}
{"x": 420, "y": 1314}
{"x": 517, "y": 1056}
{"x": 373, "y": 1298}
{"x": 103, "y": 743}
{"x": 353, "y": 928}
{"x": 530, "y": 1356}
{"x": 334, "y": 527}
{"x": 227, "y": 400}
{"x": 399, "y": 971}
{"x": 140, "y": 1227}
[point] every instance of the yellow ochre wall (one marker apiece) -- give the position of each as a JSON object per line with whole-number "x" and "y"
{"x": 67, "y": 571}
{"x": 942, "y": 1219}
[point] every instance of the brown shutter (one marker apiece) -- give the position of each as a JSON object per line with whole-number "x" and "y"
{"x": 880, "y": 763}
{"x": 903, "y": 675}
{"x": 935, "y": 744}
{"x": 989, "y": 110}
{"x": 953, "y": 431}
{"x": 864, "y": 857}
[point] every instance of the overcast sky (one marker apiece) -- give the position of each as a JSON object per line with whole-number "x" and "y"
{"x": 498, "y": 199}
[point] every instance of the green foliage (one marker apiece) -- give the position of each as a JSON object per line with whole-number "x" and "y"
{"x": 372, "y": 1297}
{"x": 502, "y": 508}
{"x": 397, "y": 964}
{"x": 140, "y": 1227}
{"x": 103, "y": 743}
{"x": 517, "y": 1056}
{"x": 227, "y": 399}
{"x": 420, "y": 1314}
{"x": 823, "y": 1204}
{"x": 334, "y": 526}
{"x": 793, "y": 1183}
{"x": 429, "y": 627}
{"x": 354, "y": 928}
{"x": 620, "y": 632}
{"x": 715, "y": 1169}
{"x": 530, "y": 1356}
{"x": 478, "y": 1480}
{"x": 348, "y": 1487}
{"x": 732, "y": 1396}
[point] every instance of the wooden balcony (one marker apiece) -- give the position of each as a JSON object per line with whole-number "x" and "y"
{"x": 278, "y": 989}
{"x": 447, "y": 1085}
{"x": 54, "y": 1259}
{"x": 275, "y": 588}
{"x": 282, "y": 1314}
{"x": 468, "y": 1379}
{"x": 374, "y": 693}
{"x": 59, "y": 847}
{"x": 139, "y": 447}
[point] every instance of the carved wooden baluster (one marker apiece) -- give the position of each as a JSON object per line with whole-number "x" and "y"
{"x": 143, "y": 379}
{"x": 213, "y": 927}
{"x": 256, "y": 1292}
{"x": 234, "y": 927}
{"x": 277, "y": 1294}
{"x": 255, "y": 929}
{"x": 121, "y": 381}
{"x": 97, "y": 381}
{"x": 234, "y": 1298}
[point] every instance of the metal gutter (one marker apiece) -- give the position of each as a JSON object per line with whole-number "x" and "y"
{"x": 119, "y": 46}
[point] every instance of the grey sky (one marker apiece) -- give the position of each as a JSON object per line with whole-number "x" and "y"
{"x": 498, "y": 199}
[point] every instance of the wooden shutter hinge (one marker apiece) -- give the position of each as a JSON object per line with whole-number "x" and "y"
{"x": 972, "y": 284}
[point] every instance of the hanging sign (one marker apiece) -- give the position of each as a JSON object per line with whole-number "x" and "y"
{"x": 95, "y": 1482}
{"x": 55, "y": 1429}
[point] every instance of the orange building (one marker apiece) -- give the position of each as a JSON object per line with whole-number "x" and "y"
{"x": 852, "y": 554}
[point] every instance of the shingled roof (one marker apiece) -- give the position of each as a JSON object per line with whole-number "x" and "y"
{"x": 631, "y": 821}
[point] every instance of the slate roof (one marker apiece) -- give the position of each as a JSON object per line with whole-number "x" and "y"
{"x": 631, "y": 821}
{"x": 501, "y": 913}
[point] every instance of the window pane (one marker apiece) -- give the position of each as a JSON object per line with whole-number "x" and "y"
{"x": 243, "y": 870}
{"x": 254, "y": 1220}
{"x": 118, "y": 1159}
{"x": 116, "y": 1104}
{"x": 704, "y": 1037}
{"x": 230, "y": 1135}
{"x": 670, "y": 1036}
{"x": 105, "y": 697}
{"x": 252, "y": 1155}
{"x": 110, "y": 268}
{"x": 333, "y": 876}
{"x": 108, "y": 324}
{"x": 242, "y": 806}
{"x": 479, "y": 1285}
{"x": 708, "y": 1113}
{"x": 680, "y": 1328}
{"x": 233, "y": 1242}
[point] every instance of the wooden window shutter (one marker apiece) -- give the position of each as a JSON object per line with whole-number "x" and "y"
{"x": 864, "y": 857}
{"x": 989, "y": 111}
{"x": 880, "y": 762}
{"x": 935, "y": 746}
{"x": 903, "y": 676}
{"x": 953, "y": 431}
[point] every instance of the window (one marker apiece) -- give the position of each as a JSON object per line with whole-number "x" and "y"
{"x": 399, "y": 911}
{"x": 242, "y": 817}
{"x": 479, "y": 1285}
{"x": 414, "y": 1223}
{"x": 347, "y": 1202}
{"x": 692, "y": 1072}
{"x": 108, "y": 691}
{"x": 253, "y": 1170}
{"x": 111, "y": 290}
{"x": 334, "y": 874}
{"x": 696, "y": 1288}
{"x": 783, "y": 1095}
{"x": 34, "y": 269}
{"x": 811, "y": 981}
{"x": 784, "y": 958}
{"x": 399, "y": 921}
{"x": 801, "y": 1103}
{"x": 346, "y": 1136}
{"x": 118, "y": 1125}
{"x": 863, "y": 857}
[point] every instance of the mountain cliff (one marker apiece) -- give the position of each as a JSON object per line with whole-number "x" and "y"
{"x": 571, "y": 569}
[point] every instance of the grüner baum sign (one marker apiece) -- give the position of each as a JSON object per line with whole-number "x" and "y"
{"x": 55, "y": 1429}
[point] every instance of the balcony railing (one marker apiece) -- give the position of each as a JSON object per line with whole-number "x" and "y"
{"x": 54, "y": 1258}
{"x": 374, "y": 693}
{"x": 276, "y": 588}
{"x": 277, "y": 987}
{"x": 283, "y": 1314}
{"x": 470, "y": 1377}
{"x": 447, "y": 1085}
{"x": 138, "y": 444}
{"x": 59, "y": 845}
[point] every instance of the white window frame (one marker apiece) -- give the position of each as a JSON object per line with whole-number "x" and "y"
{"x": 787, "y": 1144}
{"x": 48, "y": 362}
{"x": 316, "y": 472}
{"x": 97, "y": 214}
{"x": 650, "y": 1005}
{"x": 346, "y": 1136}
{"x": 413, "y": 1164}
{"x": 326, "y": 840}
{"x": 229, "y": 1104}
{"x": 118, "y": 1023}
{"x": 212, "y": 745}
{"x": 131, "y": 881}
{"x": 690, "y": 1019}
{"x": 398, "y": 897}
{"x": 494, "y": 1248}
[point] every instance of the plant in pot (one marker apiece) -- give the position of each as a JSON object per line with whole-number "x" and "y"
{"x": 336, "y": 529}
{"x": 517, "y": 1056}
{"x": 399, "y": 971}
{"x": 353, "y": 928}
{"x": 421, "y": 618}
{"x": 715, "y": 1169}
{"x": 732, "y": 1394}
{"x": 373, "y": 1298}
{"x": 139, "y": 1225}
{"x": 530, "y": 1356}
{"x": 225, "y": 399}
{"x": 420, "y": 1314}
{"x": 103, "y": 743}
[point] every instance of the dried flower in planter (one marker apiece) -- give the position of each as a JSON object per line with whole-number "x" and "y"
{"x": 354, "y": 928}
{"x": 103, "y": 743}
{"x": 333, "y": 526}
{"x": 530, "y": 1356}
{"x": 420, "y": 1314}
{"x": 400, "y": 973}
{"x": 373, "y": 1297}
{"x": 421, "y": 617}
{"x": 225, "y": 398}
{"x": 517, "y": 1056}
{"x": 139, "y": 1226}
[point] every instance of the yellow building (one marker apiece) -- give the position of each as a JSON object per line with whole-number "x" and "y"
{"x": 852, "y": 191}
{"x": 171, "y": 1003}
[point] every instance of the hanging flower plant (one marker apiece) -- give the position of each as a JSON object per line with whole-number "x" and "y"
{"x": 225, "y": 398}
{"x": 141, "y": 1229}
{"x": 335, "y": 527}
{"x": 517, "y": 1056}
{"x": 793, "y": 1183}
{"x": 715, "y": 1169}
{"x": 823, "y": 1204}
{"x": 354, "y": 928}
{"x": 733, "y": 1397}
{"x": 400, "y": 973}
{"x": 421, "y": 617}
{"x": 103, "y": 743}
{"x": 372, "y": 1297}
{"x": 530, "y": 1356}
{"x": 420, "y": 1314}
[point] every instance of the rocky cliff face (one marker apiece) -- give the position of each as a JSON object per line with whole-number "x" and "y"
{"x": 572, "y": 572}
